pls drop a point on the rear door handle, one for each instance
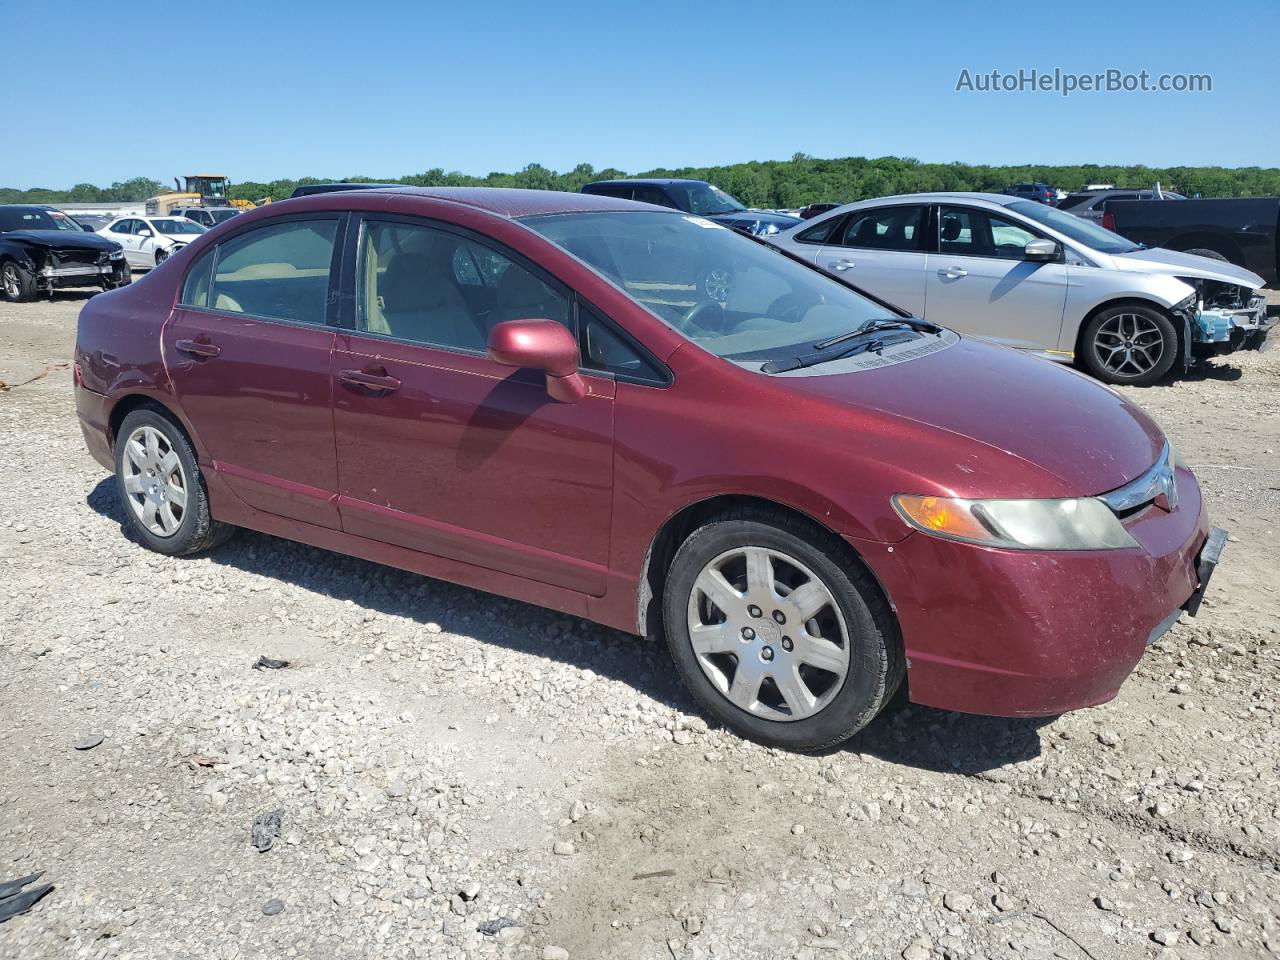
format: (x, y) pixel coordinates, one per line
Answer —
(370, 381)
(198, 348)
(842, 265)
(954, 273)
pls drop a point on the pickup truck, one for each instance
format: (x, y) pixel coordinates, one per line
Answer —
(1240, 230)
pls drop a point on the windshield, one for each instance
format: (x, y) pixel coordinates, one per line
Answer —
(1082, 231)
(35, 218)
(703, 198)
(173, 227)
(733, 296)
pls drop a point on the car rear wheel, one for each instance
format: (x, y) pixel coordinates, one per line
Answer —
(161, 488)
(1129, 344)
(778, 632)
(1206, 252)
(18, 285)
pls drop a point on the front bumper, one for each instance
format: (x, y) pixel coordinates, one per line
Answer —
(1019, 633)
(111, 272)
(1218, 331)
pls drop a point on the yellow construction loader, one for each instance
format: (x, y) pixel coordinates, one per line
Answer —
(200, 190)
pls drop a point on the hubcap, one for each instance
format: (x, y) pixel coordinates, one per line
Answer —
(10, 280)
(1129, 345)
(154, 482)
(768, 633)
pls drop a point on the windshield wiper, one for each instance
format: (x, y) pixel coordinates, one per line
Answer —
(871, 326)
(874, 345)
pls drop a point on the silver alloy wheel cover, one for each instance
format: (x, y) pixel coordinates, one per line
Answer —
(11, 287)
(756, 642)
(155, 485)
(1128, 340)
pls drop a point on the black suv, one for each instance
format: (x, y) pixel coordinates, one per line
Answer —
(695, 196)
(1040, 192)
(43, 249)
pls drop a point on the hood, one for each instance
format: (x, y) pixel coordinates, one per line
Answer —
(62, 239)
(993, 422)
(780, 220)
(1159, 260)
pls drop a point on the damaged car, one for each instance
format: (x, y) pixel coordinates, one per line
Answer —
(1029, 276)
(42, 250)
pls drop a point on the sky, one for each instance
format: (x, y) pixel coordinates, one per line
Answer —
(269, 90)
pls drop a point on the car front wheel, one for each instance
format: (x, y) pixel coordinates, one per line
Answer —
(778, 632)
(17, 284)
(159, 483)
(1129, 344)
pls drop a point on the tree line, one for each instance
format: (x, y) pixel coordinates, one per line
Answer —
(782, 184)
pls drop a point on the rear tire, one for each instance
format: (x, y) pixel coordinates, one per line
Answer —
(1206, 252)
(1129, 345)
(161, 488)
(834, 651)
(17, 284)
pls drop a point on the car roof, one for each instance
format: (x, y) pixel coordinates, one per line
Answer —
(1001, 199)
(511, 202)
(648, 181)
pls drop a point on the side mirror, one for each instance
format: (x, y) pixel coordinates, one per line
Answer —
(1040, 250)
(145, 232)
(541, 345)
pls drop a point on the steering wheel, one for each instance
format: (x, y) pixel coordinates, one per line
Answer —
(693, 320)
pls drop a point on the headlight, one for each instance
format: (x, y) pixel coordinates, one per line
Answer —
(1085, 523)
(117, 254)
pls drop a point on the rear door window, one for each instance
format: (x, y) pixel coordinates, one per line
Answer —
(280, 270)
(885, 228)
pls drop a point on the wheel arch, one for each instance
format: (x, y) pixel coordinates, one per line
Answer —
(1210, 241)
(130, 402)
(677, 528)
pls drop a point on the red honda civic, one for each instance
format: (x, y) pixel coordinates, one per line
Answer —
(640, 417)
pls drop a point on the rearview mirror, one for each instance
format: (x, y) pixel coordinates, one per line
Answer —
(541, 345)
(1040, 250)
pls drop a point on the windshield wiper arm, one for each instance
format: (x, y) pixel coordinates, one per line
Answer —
(871, 326)
(874, 345)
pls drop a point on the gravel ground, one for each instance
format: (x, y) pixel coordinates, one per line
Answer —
(465, 776)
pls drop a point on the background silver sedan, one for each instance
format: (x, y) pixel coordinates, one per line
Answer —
(1027, 275)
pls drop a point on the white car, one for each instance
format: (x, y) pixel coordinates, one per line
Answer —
(1029, 276)
(147, 241)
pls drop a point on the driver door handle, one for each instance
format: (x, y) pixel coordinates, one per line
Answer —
(842, 265)
(370, 380)
(953, 273)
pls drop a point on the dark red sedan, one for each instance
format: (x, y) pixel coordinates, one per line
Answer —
(640, 417)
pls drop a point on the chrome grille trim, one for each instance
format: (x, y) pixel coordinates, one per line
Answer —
(1158, 479)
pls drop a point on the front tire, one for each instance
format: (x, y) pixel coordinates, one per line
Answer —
(1129, 345)
(17, 284)
(778, 632)
(159, 482)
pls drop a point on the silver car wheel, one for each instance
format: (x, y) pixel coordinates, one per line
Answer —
(12, 288)
(768, 633)
(1129, 345)
(154, 481)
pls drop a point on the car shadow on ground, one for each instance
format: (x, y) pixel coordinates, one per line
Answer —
(904, 733)
(1199, 373)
